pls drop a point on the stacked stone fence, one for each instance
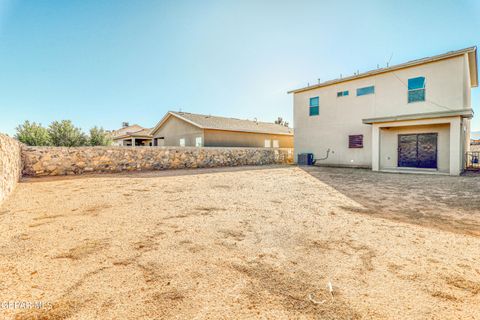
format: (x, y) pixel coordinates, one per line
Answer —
(54, 161)
(10, 165)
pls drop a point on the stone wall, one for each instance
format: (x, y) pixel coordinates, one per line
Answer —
(10, 165)
(48, 161)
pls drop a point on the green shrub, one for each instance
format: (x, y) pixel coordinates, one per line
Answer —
(65, 134)
(32, 134)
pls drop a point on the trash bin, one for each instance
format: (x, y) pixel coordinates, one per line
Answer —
(305, 159)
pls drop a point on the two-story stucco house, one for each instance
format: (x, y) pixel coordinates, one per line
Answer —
(413, 116)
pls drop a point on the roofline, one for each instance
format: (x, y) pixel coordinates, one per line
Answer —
(170, 113)
(474, 73)
(408, 64)
(464, 113)
(248, 131)
(126, 136)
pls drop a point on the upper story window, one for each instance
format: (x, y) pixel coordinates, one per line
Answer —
(342, 93)
(365, 90)
(314, 106)
(416, 89)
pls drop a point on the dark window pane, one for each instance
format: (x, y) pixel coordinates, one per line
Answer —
(314, 102)
(366, 90)
(314, 111)
(345, 93)
(416, 95)
(355, 141)
(339, 94)
(416, 83)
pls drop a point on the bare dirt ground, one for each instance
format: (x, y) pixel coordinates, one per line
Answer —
(243, 243)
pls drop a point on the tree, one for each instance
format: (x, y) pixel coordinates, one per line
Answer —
(32, 134)
(65, 134)
(99, 137)
(281, 121)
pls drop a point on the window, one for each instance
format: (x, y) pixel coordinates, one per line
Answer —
(276, 144)
(355, 141)
(314, 106)
(198, 141)
(416, 89)
(182, 142)
(267, 143)
(342, 94)
(365, 90)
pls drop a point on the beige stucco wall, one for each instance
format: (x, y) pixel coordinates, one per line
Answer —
(220, 138)
(341, 117)
(174, 129)
(389, 143)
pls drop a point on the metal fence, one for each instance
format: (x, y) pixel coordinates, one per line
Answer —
(472, 161)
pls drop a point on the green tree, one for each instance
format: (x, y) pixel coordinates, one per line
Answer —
(32, 134)
(99, 137)
(65, 134)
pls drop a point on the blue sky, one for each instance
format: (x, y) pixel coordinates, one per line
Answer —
(100, 62)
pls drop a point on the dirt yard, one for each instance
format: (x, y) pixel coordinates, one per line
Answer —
(242, 243)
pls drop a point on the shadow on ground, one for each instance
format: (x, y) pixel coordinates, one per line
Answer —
(443, 202)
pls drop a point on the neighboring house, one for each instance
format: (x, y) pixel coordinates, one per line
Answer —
(475, 138)
(197, 130)
(475, 142)
(133, 135)
(413, 116)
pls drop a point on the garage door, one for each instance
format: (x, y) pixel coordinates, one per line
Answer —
(417, 150)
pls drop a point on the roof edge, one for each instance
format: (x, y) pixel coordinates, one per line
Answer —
(133, 136)
(473, 60)
(464, 113)
(257, 132)
(408, 64)
(165, 118)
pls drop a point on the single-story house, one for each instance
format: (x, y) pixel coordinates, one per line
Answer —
(133, 135)
(410, 117)
(198, 130)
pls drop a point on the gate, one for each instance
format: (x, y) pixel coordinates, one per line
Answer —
(472, 160)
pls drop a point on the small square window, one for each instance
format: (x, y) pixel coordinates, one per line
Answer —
(314, 109)
(276, 144)
(342, 93)
(355, 141)
(267, 143)
(198, 141)
(182, 142)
